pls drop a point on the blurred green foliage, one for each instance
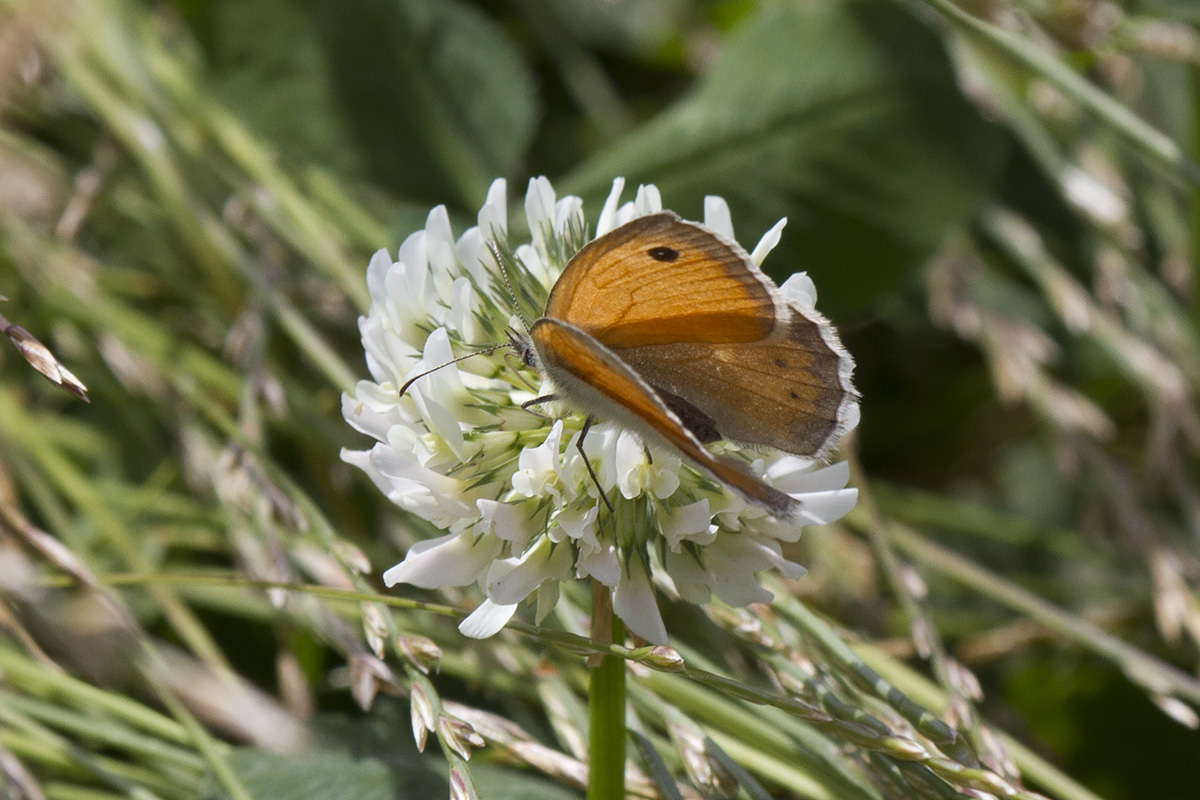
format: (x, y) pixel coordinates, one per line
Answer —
(997, 200)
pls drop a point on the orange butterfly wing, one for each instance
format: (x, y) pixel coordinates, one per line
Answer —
(659, 280)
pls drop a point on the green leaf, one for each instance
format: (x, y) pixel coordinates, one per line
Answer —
(425, 97)
(844, 117)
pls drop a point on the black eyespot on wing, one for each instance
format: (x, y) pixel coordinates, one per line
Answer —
(663, 253)
(794, 395)
(779, 362)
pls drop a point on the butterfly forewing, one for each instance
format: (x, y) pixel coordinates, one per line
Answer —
(659, 280)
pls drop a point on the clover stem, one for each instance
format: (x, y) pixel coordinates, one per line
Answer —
(606, 705)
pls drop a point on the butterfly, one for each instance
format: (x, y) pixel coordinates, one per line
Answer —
(672, 331)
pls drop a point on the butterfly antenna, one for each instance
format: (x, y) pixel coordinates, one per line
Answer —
(500, 261)
(420, 375)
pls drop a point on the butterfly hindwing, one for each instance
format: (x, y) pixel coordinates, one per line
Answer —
(785, 391)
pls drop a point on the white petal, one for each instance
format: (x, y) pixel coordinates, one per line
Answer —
(693, 521)
(547, 599)
(437, 229)
(538, 467)
(568, 213)
(493, 217)
(510, 523)
(767, 243)
(600, 447)
(535, 264)
(732, 561)
(511, 580)
(362, 460)
(415, 258)
(634, 602)
(578, 524)
(773, 554)
(366, 419)
(539, 209)
(487, 620)
(608, 216)
(472, 253)
(628, 460)
(822, 508)
(443, 266)
(648, 200)
(419, 489)
(663, 481)
(717, 217)
(688, 575)
(800, 291)
(791, 473)
(601, 564)
(456, 559)
(463, 307)
(625, 213)
(440, 391)
(377, 270)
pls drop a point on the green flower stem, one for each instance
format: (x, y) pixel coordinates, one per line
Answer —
(606, 706)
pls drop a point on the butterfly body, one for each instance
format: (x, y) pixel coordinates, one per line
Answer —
(672, 331)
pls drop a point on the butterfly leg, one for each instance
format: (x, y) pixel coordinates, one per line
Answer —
(587, 426)
(537, 401)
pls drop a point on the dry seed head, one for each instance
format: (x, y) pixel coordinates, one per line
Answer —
(41, 359)
(375, 627)
(419, 651)
(368, 676)
(459, 736)
(461, 787)
(665, 658)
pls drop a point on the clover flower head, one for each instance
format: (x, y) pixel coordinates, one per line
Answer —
(508, 485)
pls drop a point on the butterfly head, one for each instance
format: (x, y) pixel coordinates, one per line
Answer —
(522, 346)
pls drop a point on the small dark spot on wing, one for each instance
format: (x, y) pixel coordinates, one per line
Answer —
(779, 362)
(663, 253)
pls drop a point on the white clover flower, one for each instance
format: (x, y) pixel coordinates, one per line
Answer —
(520, 508)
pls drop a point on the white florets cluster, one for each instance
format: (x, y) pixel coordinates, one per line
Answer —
(508, 485)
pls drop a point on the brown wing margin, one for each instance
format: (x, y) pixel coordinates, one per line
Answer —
(589, 373)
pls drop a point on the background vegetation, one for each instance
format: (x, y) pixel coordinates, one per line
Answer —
(996, 199)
